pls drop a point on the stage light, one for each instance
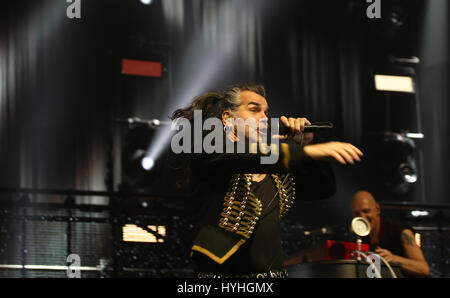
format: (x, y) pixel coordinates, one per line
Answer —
(417, 213)
(138, 169)
(155, 122)
(412, 60)
(395, 164)
(414, 135)
(133, 233)
(408, 172)
(418, 239)
(147, 163)
(142, 68)
(394, 83)
(146, 2)
(396, 18)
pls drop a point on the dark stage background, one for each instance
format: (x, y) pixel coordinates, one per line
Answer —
(61, 89)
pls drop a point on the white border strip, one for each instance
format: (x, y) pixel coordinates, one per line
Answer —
(48, 267)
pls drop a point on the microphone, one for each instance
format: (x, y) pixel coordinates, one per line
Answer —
(360, 226)
(284, 130)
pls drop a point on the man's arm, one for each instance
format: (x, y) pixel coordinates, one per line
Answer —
(289, 156)
(414, 262)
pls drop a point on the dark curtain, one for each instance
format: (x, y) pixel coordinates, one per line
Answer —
(434, 94)
(54, 104)
(61, 84)
(313, 67)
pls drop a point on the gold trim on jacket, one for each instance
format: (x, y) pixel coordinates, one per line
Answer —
(216, 258)
(242, 209)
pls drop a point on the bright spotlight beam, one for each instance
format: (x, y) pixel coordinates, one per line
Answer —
(212, 63)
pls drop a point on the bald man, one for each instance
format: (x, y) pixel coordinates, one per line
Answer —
(392, 240)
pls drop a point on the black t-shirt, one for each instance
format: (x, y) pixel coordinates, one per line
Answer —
(263, 251)
(390, 236)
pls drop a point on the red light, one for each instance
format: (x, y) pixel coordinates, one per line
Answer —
(142, 68)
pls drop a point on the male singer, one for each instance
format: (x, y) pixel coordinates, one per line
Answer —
(244, 199)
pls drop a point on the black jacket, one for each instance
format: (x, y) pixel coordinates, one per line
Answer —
(213, 173)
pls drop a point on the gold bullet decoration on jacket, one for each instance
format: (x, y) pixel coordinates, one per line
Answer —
(242, 209)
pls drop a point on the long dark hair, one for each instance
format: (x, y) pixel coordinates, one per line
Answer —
(213, 104)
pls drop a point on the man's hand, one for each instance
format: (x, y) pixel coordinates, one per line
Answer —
(386, 254)
(296, 126)
(341, 152)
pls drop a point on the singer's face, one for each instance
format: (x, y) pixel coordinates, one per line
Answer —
(253, 107)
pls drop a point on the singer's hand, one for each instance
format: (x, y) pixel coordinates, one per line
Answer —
(342, 152)
(296, 126)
